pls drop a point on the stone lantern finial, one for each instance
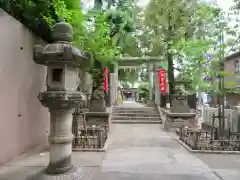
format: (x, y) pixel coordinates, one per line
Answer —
(63, 32)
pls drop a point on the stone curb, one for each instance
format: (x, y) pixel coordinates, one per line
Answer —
(204, 151)
(88, 150)
(135, 122)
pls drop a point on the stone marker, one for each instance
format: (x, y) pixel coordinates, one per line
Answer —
(98, 103)
(179, 102)
(97, 114)
(62, 60)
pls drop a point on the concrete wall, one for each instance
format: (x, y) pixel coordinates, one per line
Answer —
(24, 122)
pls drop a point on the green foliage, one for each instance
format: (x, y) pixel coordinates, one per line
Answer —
(193, 65)
(128, 75)
(37, 15)
(122, 21)
(143, 91)
(41, 15)
(125, 84)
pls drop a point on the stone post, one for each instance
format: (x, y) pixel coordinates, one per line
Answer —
(86, 85)
(157, 89)
(150, 82)
(236, 119)
(62, 60)
(113, 88)
(60, 140)
(116, 80)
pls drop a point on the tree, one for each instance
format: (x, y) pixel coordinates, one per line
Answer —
(207, 42)
(166, 21)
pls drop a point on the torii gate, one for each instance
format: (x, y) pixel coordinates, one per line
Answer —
(132, 62)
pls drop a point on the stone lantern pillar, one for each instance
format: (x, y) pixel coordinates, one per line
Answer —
(62, 60)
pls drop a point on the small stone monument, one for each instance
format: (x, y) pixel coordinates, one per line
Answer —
(62, 60)
(98, 103)
(97, 114)
(179, 102)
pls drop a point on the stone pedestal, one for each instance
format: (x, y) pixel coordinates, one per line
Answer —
(60, 139)
(177, 120)
(97, 118)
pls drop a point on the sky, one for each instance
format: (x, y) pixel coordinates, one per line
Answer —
(224, 4)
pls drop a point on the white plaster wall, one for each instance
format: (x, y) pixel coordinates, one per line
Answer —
(24, 122)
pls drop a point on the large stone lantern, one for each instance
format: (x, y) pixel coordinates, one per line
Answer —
(62, 61)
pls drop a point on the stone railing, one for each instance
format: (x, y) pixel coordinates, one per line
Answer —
(201, 139)
(90, 138)
(89, 134)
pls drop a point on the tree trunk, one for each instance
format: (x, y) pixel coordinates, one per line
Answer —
(171, 80)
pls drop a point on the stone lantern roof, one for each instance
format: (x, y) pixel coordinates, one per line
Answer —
(61, 51)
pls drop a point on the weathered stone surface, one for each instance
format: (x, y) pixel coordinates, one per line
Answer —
(97, 118)
(97, 105)
(61, 51)
(60, 98)
(179, 106)
(74, 174)
(68, 99)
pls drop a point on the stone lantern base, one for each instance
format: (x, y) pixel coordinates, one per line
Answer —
(74, 174)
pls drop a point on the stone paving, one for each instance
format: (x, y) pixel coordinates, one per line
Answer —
(137, 152)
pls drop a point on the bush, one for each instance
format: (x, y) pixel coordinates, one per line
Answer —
(143, 90)
(40, 16)
(37, 15)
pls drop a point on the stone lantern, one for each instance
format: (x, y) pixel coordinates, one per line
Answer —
(62, 61)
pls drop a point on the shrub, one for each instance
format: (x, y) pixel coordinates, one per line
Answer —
(37, 15)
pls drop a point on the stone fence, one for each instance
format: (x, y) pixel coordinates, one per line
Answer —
(231, 120)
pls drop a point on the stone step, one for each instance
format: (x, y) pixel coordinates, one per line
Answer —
(137, 121)
(134, 110)
(135, 118)
(131, 114)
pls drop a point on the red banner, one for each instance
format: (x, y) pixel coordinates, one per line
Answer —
(105, 82)
(162, 81)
